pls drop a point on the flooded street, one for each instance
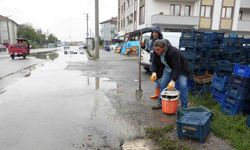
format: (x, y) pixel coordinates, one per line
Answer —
(53, 108)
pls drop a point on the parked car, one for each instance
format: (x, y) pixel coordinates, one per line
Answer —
(2, 48)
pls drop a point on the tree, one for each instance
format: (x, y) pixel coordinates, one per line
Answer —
(36, 37)
(52, 39)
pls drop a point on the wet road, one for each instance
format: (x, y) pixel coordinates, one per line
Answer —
(53, 108)
(70, 103)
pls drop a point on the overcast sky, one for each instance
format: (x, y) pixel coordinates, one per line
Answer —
(64, 18)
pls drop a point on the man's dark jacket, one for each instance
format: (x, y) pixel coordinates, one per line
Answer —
(175, 61)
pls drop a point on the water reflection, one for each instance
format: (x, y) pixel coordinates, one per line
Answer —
(102, 83)
(46, 55)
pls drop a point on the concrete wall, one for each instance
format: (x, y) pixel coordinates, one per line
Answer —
(107, 31)
(216, 14)
(4, 31)
(153, 7)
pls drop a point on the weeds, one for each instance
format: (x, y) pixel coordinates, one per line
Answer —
(231, 128)
(159, 136)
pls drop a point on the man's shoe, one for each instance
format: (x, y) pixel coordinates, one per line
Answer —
(158, 106)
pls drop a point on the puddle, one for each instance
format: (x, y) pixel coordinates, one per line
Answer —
(50, 56)
(51, 107)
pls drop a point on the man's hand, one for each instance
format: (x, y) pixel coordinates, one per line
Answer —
(171, 85)
(153, 76)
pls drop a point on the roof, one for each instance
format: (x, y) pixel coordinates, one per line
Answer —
(4, 18)
(140, 31)
(113, 20)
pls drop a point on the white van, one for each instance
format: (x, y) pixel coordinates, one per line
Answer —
(174, 39)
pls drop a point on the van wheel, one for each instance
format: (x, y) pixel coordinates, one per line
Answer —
(147, 69)
(24, 56)
(12, 56)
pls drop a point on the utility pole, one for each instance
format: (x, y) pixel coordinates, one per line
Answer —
(87, 34)
(96, 29)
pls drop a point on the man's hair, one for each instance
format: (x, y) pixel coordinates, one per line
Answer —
(160, 43)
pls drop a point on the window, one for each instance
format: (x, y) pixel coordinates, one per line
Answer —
(240, 15)
(135, 16)
(142, 15)
(128, 20)
(206, 11)
(128, 3)
(124, 7)
(175, 10)
(227, 12)
(187, 11)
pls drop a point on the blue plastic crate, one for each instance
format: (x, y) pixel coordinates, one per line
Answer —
(219, 96)
(241, 81)
(219, 82)
(194, 125)
(182, 111)
(248, 121)
(190, 84)
(224, 66)
(238, 92)
(191, 55)
(234, 101)
(231, 109)
(242, 70)
(192, 35)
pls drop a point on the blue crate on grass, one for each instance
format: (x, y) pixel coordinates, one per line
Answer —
(246, 108)
(182, 111)
(242, 70)
(231, 109)
(238, 91)
(234, 101)
(241, 81)
(190, 84)
(248, 121)
(194, 125)
(219, 82)
(200, 89)
(219, 96)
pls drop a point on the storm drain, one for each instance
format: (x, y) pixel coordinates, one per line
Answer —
(139, 144)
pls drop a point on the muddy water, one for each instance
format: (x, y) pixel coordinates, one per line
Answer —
(57, 109)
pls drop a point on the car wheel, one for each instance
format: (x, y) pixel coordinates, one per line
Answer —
(12, 56)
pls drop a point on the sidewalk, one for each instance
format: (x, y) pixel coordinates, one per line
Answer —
(124, 71)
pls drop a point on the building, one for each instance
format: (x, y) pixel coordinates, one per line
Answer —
(176, 15)
(108, 29)
(8, 30)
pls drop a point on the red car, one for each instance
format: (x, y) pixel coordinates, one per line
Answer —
(20, 49)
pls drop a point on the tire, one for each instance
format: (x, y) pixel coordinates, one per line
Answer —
(12, 56)
(24, 56)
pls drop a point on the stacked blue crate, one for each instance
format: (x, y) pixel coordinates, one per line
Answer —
(194, 125)
(248, 121)
(246, 46)
(237, 96)
(221, 80)
(233, 49)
